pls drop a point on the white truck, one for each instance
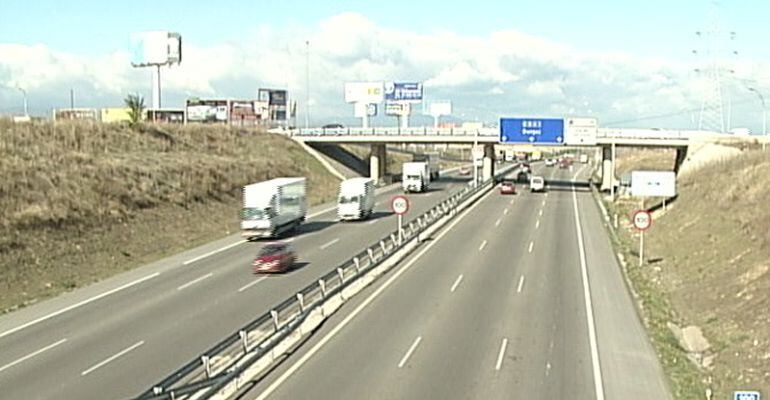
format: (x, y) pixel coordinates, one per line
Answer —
(356, 198)
(273, 207)
(415, 176)
(584, 158)
(432, 159)
(537, 184)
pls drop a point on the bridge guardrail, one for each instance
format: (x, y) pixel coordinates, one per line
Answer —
(418, 131)
(215, 368)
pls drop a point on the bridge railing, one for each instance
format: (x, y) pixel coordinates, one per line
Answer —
(388, 131)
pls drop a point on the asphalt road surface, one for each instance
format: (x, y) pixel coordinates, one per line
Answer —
(116, 338)
(519, 298)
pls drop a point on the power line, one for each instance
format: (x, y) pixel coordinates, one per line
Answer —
(671, 114)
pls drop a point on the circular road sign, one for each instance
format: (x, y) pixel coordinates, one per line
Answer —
(642, 220)
(399, 205)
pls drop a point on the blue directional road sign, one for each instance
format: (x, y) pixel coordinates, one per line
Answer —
(544, 131)
(746, 395)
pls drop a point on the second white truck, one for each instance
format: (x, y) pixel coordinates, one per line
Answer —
(273, 207)
(432, 159)
(356, 198)
(415, 176)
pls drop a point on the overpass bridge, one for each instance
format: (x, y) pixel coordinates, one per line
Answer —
(607, 139)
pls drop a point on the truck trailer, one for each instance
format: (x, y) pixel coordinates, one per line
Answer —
(432, 159)
(415, 176)
(273, 207)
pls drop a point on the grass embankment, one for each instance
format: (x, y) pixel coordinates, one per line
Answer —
(80, 202)
(706, 264)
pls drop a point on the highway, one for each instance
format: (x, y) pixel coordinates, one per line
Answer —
(519, 298)
(116, 338)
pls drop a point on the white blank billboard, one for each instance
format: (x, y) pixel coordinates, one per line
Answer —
(155, 48)
(653, 183)
(363, 92)
(440, 108)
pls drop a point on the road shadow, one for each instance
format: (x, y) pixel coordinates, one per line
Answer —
(453, 179)
(309, 227)
(374, 215)
(557, 185)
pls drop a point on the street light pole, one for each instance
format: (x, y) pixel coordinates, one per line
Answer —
(307, 84)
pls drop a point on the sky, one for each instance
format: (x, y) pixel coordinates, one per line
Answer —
(628, 63)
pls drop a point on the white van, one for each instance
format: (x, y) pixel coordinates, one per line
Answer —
(356, 198)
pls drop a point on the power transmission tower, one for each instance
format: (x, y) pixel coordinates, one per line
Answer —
(712, 116)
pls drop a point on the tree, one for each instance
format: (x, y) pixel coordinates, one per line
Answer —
(135, 104)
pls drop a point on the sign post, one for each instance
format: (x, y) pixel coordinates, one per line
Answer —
(478, 160)
(642, 222)
(400, 206)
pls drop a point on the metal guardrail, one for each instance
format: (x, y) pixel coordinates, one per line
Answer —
(421, 131)
(202, 377)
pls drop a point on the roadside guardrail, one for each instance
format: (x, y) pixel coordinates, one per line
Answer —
(219, 371)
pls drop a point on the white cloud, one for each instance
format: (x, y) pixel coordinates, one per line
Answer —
(506, 72)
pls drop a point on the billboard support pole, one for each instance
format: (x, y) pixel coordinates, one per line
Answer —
(156, 87)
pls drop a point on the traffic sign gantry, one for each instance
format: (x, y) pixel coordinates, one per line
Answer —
(537, 131)
(399, 205)
(642, 220)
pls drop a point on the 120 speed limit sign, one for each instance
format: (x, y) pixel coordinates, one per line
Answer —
(642, 220)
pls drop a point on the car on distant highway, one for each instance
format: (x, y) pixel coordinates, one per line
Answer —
(274, 257)
(525, 167)
(565, 163)
(507, 187)
(537, 184)
(522, 177)
(550, 162)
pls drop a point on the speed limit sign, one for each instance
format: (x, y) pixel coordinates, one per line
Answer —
(642, 220)
(399, 205)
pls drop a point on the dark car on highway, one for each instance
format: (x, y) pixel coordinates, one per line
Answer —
(507, 187)
(522, 177)
(274, 257)
(333, 126)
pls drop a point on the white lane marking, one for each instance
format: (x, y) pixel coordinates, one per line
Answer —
(543, 203)
(289, 240)
(497, 223)
(547, 368)
(457, 282)
(597, 370)
(194, 281)
(229, 246)
(112, 358)
(409, 352)
(321, 212)
(546, 194)
(297, 365)
(537, 224)
(505, 211)
(30, 355)
(374, 221)
(331, 242)
(80, 304)
(511, 201)
(252, 284)
(541, 213)
(531, 245)
(501, 354)
(483, 244)
(521, 284)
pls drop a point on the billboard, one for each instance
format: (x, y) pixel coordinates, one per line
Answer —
(80, 114)
(544, 131)
(403, 91)
(653, 183)
(243, 112)
(363, 92)
(206, 110)
(168, 116)
(579, 131)
(115, 115)
(397, 108)
(438, 108)
(363, 109)
(155, 48)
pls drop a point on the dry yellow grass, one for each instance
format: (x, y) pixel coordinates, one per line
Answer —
(70, 191)
(712, 250)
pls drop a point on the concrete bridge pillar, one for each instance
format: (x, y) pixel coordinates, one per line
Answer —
(681, 155)
(488, 166)
(608, 168)
(377, 162)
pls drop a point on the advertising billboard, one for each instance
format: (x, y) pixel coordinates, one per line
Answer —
(80, 114)
(166, 116)
(403, 91)
(243, 112)
(363, 92)
(438, 108)
(397, 108)
(361, 110)
(155, 48)
(115, 115)
(544, 131)
(206, 111)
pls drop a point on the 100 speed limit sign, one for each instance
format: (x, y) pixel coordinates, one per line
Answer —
(399, 205)
(642, 220)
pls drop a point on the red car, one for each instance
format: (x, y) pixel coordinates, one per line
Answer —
(274, 257)
(507, 187)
